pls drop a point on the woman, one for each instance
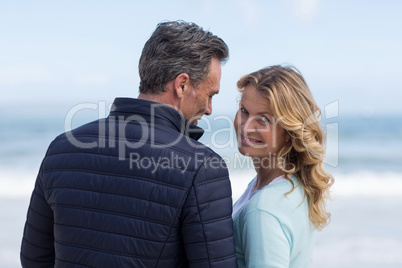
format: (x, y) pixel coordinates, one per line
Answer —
(277, 126)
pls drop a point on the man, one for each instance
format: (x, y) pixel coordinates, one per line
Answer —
(136, 189)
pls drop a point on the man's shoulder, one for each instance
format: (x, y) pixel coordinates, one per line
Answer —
(176, 140)
(161, 141)
(86, 133)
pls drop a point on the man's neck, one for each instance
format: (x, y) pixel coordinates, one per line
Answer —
(160, 98)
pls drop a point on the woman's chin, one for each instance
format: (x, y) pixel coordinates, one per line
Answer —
(244, 151)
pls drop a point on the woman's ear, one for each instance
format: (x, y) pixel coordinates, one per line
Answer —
(181, 83)
(287, 137)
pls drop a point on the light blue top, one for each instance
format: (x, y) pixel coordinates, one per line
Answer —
(274, 230)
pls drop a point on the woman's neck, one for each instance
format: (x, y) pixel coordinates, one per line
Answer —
(265, 174)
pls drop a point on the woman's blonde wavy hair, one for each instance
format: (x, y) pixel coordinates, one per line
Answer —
(295, 110)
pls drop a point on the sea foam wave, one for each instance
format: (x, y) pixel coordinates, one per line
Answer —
(367, 184)
(16, 184)
(364, 184)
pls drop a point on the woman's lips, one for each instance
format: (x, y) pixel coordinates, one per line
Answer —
(249, 140)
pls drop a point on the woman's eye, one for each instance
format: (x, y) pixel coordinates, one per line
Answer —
(263, 120)
(243, 110)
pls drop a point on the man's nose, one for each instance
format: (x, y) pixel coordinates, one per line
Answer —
(208, 111)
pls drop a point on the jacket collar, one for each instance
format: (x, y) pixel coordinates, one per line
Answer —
(157, 113)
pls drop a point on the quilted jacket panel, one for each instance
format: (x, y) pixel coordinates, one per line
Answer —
(132, 190)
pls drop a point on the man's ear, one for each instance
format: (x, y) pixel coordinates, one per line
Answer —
(181, 84)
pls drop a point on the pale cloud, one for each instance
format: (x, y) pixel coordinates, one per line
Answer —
(207, 6)
(250, 11)
(25, 74)
(306, 9)
(91, 80)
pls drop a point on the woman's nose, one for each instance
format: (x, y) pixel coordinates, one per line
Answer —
(249, 125)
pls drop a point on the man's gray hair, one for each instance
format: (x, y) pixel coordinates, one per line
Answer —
(177, 47)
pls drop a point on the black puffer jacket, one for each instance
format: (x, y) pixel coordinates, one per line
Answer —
(131, 190)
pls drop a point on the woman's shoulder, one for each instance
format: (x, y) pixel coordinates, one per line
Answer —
(276, 198)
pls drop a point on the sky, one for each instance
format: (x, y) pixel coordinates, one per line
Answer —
(55, 55)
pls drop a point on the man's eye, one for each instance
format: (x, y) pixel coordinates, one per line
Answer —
(243, 110)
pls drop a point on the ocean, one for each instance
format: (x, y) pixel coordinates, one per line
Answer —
(364, 156)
